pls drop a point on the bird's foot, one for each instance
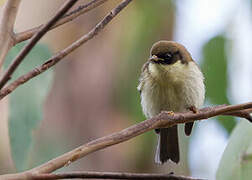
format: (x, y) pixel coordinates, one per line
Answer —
(193, 109)
(168, 112)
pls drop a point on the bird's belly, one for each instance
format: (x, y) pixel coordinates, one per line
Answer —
(170, 97)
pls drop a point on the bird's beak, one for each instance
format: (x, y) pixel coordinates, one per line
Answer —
(154, 58)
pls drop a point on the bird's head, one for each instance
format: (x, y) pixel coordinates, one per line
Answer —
(168, 58)
(167, 53)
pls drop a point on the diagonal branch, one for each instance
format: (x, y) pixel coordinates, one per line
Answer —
(109, 175)
(34, 40)
(7, 21)
(67, 18)
(60, 55)
(163, 120)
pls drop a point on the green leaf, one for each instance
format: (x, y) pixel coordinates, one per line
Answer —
(26, 103)
(214, 67)
(236, 162)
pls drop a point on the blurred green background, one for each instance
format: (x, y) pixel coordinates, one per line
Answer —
(93, 93)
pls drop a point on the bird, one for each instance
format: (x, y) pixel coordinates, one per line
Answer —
(170, 81)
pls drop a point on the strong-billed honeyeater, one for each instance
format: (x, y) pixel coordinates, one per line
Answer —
(170, 81)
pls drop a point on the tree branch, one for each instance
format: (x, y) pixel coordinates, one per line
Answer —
(108, 175)
(34, 40)
(163, 120)
(67, 18)
(60, 55)
(7, 21)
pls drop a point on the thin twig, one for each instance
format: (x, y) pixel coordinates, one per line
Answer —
(22, 36)
(7, 21)
(242, 114)
(163, 120)
(33, 41)
(60, 55)
(109, 175)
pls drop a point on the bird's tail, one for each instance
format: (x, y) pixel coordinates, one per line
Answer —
(168, 147)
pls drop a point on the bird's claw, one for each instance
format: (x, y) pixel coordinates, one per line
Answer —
(168, 112)
(193, 109)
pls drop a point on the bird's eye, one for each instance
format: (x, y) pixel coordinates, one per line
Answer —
(167, 56)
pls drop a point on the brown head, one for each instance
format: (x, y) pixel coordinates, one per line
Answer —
(169, 52)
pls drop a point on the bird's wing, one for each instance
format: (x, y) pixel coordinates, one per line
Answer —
(141, 79)
(140, 85)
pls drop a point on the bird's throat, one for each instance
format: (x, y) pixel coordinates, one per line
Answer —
(167, 72)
